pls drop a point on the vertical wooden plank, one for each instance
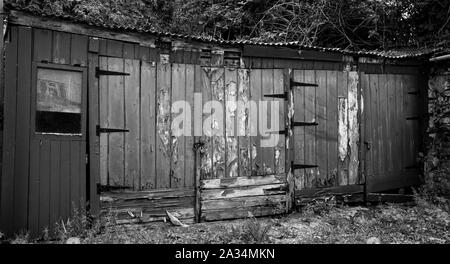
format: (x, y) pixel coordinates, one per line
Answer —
(9, 133)
(94, 45)
(255, 94)
(128, 51)
(79, 50)
(374, 87)
(354, 127)
(189, 169)
(321, 132)
(33, 199)
(400, 117)
(178, 139)
(310, 131)
(95, 162)
(75, 159)
(243, 125)
(61, 47)
(42, 45)
(82, 174)
(289, 110)
(206, 154)
(343, 128)
(218, 124)
(332, 129)
(279, 154)
(148, 126)
(44, 185)
(367, 115)
(383, 118)
(267, 153)
(132, 117)
(64, 198)
(231, 122)
(55, 185)
(299, 132)
(163, 141)
(391, 108)
(116, 116)
(22, 128)
(144, 53)
(103, 99)
(114, 48)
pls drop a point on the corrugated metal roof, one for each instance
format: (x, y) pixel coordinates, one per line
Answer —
(404, 53)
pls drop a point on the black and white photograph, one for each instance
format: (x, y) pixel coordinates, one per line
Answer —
(224, 122)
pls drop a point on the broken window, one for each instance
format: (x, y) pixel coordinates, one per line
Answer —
(58, 101)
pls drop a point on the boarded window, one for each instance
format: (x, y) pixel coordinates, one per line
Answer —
(58, 101)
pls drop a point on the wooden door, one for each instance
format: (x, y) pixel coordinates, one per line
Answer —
(392, 141)
(119, 117)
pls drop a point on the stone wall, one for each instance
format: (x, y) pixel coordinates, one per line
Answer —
(437, 159)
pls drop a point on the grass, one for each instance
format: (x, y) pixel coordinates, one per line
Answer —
(322, 222)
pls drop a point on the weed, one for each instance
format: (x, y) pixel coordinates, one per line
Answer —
(251, 231)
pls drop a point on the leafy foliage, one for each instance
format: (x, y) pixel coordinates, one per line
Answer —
(352, 24)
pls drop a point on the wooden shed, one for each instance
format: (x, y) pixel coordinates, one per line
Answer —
(87, 123)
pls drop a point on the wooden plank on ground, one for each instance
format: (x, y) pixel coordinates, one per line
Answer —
(242, 181)
(256, 211)
(116, 119)
(163, 140)
(269, 189)
(132, 123)
(147, 126)
(237, 203)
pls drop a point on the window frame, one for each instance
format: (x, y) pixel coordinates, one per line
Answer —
(54, 135)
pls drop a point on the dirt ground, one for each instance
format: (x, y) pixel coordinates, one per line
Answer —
(336, 224)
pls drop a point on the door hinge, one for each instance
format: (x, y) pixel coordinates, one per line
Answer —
(281, 96)
(99, 72)
(294, 124)
(302, 166)
(303, 84)
(109, 130)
